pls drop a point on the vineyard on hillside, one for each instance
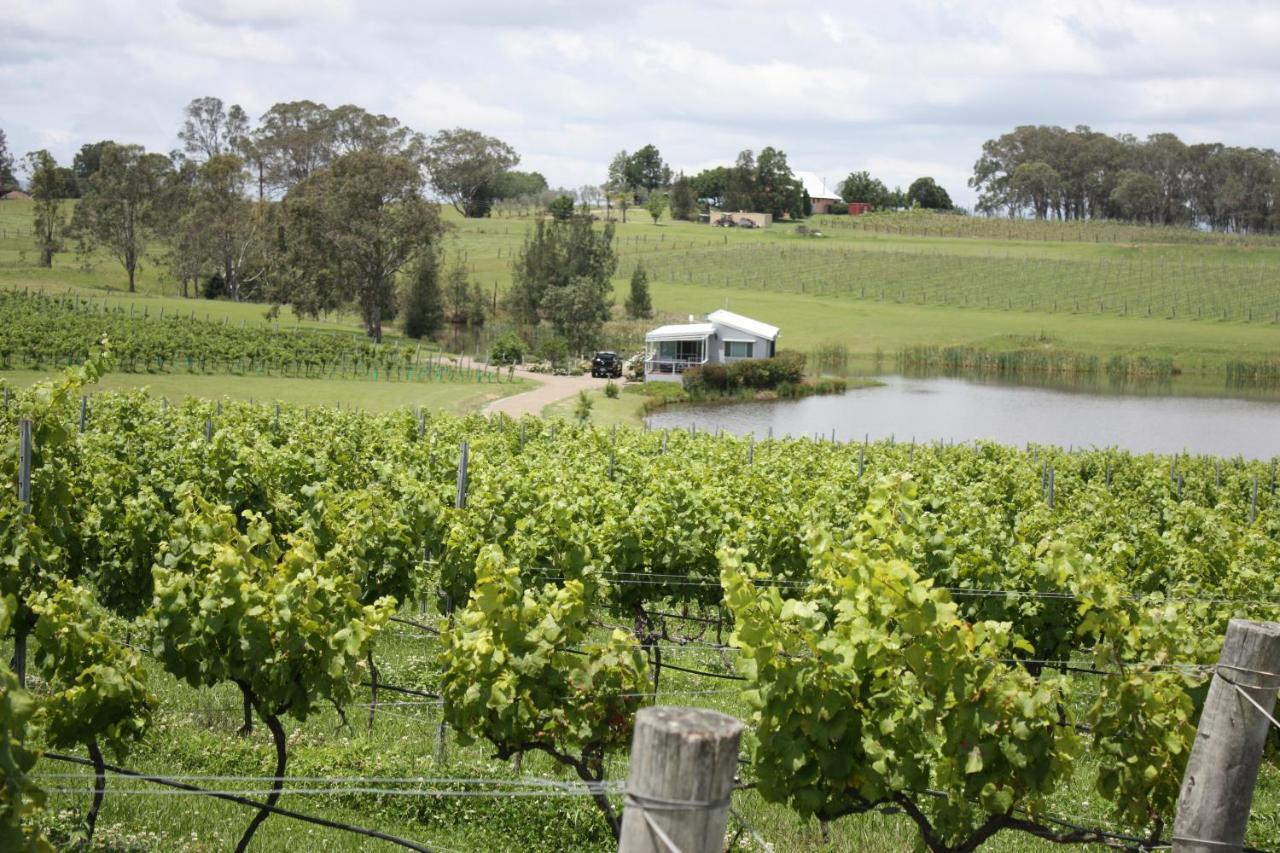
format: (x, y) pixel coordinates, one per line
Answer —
(439, 628)
(1142, 287)
(921, 223)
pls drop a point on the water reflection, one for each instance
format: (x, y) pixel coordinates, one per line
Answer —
(1143, 417)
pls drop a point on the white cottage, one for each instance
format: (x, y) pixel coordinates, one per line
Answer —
(723, 337)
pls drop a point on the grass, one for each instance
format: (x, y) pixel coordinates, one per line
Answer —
(349, 393)
(195, 734)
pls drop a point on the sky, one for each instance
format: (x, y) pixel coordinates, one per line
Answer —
(901, 89)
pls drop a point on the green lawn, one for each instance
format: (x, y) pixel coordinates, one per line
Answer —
(349, 393)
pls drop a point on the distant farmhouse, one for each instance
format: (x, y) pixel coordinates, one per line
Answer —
(15, 195)
(722, 338)
(823, 199)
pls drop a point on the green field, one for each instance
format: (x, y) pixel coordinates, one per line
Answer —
(1198, 301)
(875, 286)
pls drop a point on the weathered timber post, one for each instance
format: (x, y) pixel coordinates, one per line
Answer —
(1217, 787)
(683, 762)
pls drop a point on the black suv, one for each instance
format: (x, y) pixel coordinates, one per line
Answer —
(606, 364)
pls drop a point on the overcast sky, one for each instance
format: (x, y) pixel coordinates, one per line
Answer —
(902, 89)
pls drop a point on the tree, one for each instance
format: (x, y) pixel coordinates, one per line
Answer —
(776, 189)
(87, 162)
(47, 188)
(710, 185)
(926, 193)
(8, 180)
(351, 129)
(638, 304)
(464, 300)
(563, 275)
(618, 184)
(293, 140)
(464, 165)
(657, 205)
(646, 170)
(512, 184)
(561, 207)
(860, 186)
(1137, 196)
(740, 183)
(423, 301)
(683, 199)
(233, 237)
(211, 130)
(1035, 184)
(121, 205)
(353, 226)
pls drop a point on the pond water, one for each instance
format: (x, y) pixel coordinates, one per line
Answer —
(1152, 419)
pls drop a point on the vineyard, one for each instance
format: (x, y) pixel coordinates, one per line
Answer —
(436, 631)
(39, 331)
(921, 223)
(1138, 287)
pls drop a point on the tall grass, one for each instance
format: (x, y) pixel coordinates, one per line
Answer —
(1029, 361)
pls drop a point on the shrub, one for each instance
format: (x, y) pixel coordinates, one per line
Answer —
(582, 409)
(710, 377)
(786, 366)
(508, 349)
(554, 350)
(611, 389)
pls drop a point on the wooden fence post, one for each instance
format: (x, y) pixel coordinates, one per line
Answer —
(679, 786)
(1217, 787)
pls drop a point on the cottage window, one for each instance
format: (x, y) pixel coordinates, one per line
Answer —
(738, 349)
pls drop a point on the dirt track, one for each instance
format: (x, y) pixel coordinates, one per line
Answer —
(551, 389)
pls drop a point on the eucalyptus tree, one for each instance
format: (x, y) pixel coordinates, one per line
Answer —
(351, 228)
(8, 180)
(464, 165)
(122, 204)
(48, 188)
(211, 129)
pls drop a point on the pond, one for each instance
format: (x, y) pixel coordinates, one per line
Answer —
(1152, 419)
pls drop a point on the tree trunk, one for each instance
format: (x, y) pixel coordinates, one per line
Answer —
(132, 268)
(229, 280)
(277, 735)
(99, 789)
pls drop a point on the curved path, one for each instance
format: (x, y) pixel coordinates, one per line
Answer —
(551, 389)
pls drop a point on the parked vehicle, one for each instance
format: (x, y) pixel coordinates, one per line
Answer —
(607, 364)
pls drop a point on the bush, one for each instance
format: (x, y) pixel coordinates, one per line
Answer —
(508, 349)
(710, 377)
(554, 350)
(786, 366)
(611, 389)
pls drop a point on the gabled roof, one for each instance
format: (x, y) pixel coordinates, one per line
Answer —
(744, 324)
(681, 331)
(816, 187)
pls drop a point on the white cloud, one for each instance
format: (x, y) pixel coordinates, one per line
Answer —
(903, 89)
